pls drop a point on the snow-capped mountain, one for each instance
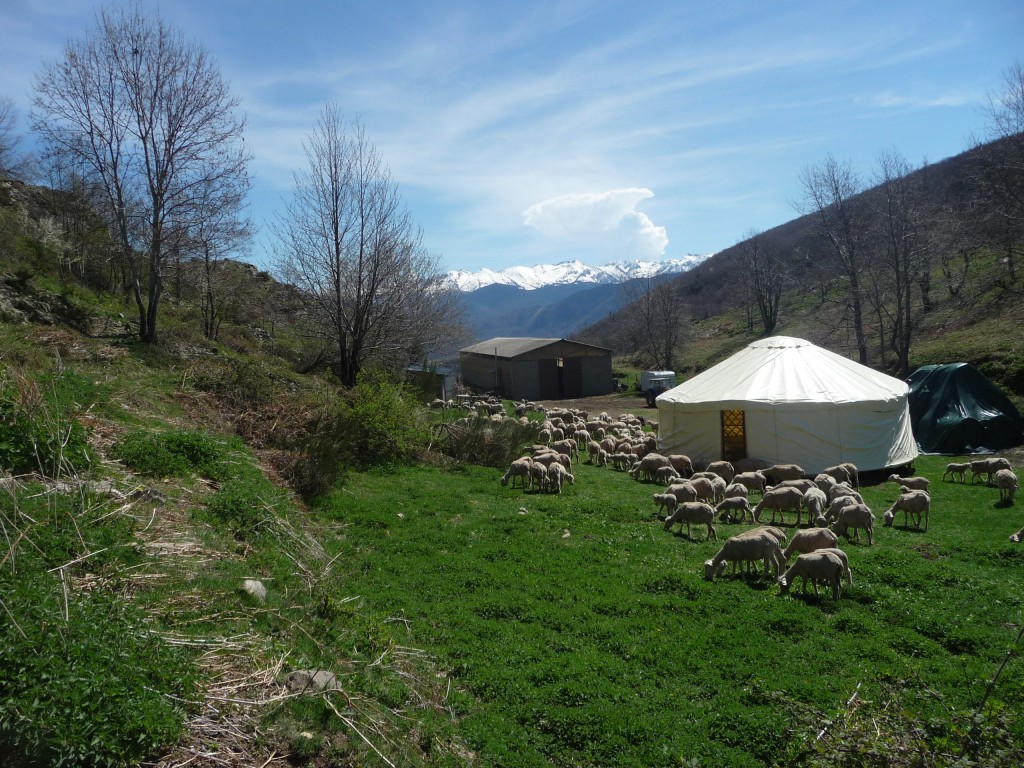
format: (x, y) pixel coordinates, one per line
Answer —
(571, 272)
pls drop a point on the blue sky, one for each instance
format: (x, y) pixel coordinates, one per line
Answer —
(535, 132)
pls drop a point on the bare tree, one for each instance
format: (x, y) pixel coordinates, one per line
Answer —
(348, 243)
(146, 115)
(12, 162)
(764, 275)
(832, 195)
(656, 319)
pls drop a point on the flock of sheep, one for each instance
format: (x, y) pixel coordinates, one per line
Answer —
(831, 500)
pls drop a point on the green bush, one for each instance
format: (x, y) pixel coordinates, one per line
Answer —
(83, 680)
(177, 453)
(38, 428)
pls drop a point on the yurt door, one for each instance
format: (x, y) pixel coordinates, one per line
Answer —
(734, 435)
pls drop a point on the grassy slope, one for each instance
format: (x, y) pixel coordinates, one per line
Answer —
(588, 636)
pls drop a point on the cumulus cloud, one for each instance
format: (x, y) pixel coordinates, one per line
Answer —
(606, 220)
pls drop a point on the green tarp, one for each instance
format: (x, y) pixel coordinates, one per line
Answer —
(954, 409)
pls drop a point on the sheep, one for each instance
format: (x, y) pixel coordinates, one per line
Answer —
(855, 517)
(567, 446)
(913, 483)
(557, 474)
(814, 502)
(854, 473)
(682, 464)
(648, 465)
(803, 484)
(538, 475)
(1007, 484)
(1016, 537)
(825, 482)
(705, 488)
(988, 467)
(683, 491)
(718, 486)
(693, 512)
(621, 460)
(810, 539)
(846, 562)
(816, 566)
(666, 476)
(723, 469)
(519, 468)
(736, 489)
(913, 503)
(753, 481)
(730, 505)
(602, 458)
(779, 500)
(776, 473)
(665, 502)
(593, 451)
(843, 489)
(957, 469)
(840, 473)
(837, 504)
(748, 547)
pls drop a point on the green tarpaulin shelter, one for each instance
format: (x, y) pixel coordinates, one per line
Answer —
(955, 409)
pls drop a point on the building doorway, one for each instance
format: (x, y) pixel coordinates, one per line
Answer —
(734, 435)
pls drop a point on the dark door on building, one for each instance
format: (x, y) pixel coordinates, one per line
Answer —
(734, 435)
(572, 377)
(549, 375)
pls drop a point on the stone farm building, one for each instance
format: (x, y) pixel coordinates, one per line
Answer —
(537, 369)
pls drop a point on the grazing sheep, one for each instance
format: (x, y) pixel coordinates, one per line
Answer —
(810, 539)
(816, 566)
(855, 517)
(567, 446)
(557, 475)
(723, 469)
(913, 503)
(837, 504)
(718, 486)
(748, 547)
(665, 502)
(846, 562)
(955, 469)
(825, 483)
(803, 484)
(647, 466)
(1016, 537)
(621, 460)
(736, 489)
(913, 483)
(683, 491)
(593, 451)
(727, 508)
(705, 488)
(753, 481)
(988, 467)
(779, 500)
(666, 476)
(776, 473)
(840, 473)
(1007, 484)
(682, 464)
(538, 476)
(693, 512)
(602, 458)
(814, 502)
(851, 468)
(844, 489)
(519, 468)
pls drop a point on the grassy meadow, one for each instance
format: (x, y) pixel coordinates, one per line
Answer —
(578, 632)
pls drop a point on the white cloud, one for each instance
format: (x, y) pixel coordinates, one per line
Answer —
(607, 221)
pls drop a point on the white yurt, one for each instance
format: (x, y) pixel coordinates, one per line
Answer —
(783, 400)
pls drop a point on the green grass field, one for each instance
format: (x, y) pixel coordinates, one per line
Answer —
(584, 634)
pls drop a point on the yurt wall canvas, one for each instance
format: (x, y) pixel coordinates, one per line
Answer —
(798, 403)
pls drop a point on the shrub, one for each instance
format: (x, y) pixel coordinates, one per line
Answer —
(175, 453)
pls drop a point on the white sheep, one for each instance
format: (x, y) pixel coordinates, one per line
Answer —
(621, 460)
(568, 446)
(957, 469)
(705, 488)
(855, 517)
(913, 483)
(666, 476)
(988, 467)
(557, 475)
(810, 539)
(776, 473)
(844, 489)
(727, 508)
(693, 512)
(683, 491)
(1007, 484)
(913, 503)
(779, 500)
(682, 464)
(825, 482)
(723, 469)
(593, 451)
(840, 473)
(665, 502)
(748, 547)
(821, 565)
(519, 468)
(846, 562)
(1017, 537)
(802, 484)
(753, 481)
(538, 476)
(814, 502)
(646, 468)
(736, 489)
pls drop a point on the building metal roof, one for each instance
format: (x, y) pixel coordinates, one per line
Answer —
(513, 347)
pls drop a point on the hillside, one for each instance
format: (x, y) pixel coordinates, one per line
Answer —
(977, 306)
